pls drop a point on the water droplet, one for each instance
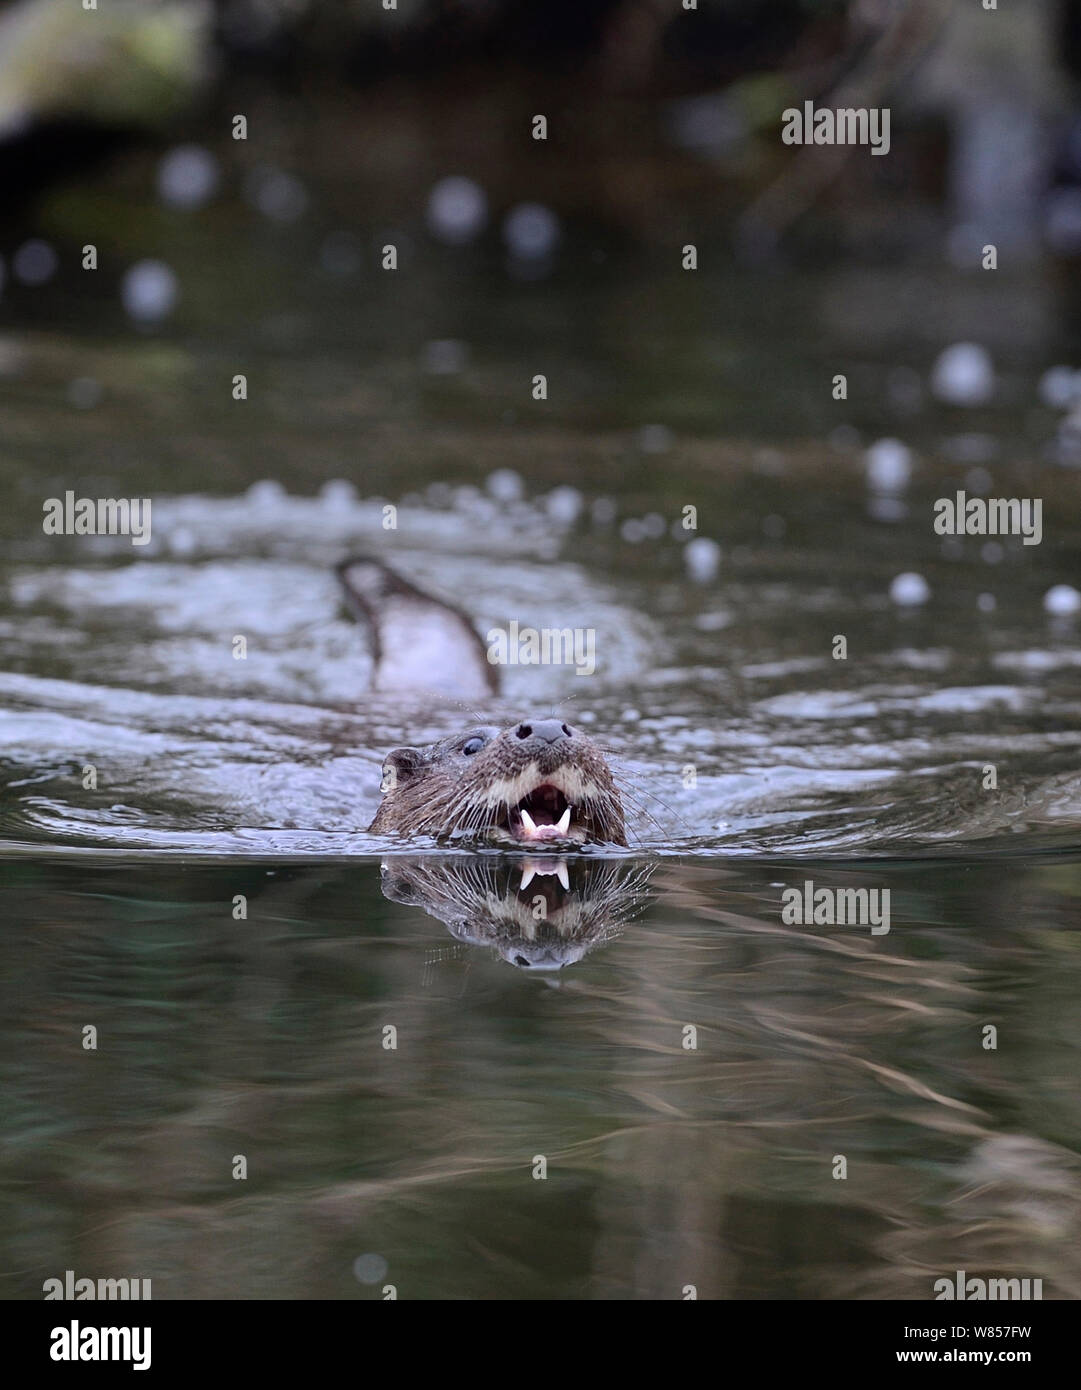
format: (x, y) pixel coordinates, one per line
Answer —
(564, 505)
(149, 291)
(276, 194)
(370, 1269)
(338, 492)
(265, 492)
(702, 557)
(181, 541)
(531, 231)
(1062, 600)
(908, 590)
(34, 263)
(888, 463)
(963, 375)
(457, 210)
(505, 485)
(187, 177)
(1059, 387)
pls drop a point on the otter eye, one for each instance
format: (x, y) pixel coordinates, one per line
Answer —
(473, 745)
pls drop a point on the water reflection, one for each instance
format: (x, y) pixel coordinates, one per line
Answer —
(540, 913)
(674, 1157)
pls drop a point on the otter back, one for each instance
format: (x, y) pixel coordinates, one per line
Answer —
(418, 643)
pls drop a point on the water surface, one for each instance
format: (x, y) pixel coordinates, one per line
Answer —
(667, 1166)
(939, 759)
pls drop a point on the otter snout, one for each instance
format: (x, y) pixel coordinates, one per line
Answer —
(543, 731)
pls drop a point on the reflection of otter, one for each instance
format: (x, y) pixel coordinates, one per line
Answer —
(540, 914)
(538, 782)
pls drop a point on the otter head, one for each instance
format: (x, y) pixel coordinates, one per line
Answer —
(536, 783)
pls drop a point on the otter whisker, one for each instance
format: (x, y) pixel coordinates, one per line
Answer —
(622, 775)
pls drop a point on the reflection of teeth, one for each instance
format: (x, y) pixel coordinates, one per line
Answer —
(544, 868)
(528, 822)
(564, 822)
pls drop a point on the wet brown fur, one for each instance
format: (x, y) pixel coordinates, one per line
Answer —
(442, 791)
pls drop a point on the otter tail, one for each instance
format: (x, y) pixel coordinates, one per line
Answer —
(419, 643)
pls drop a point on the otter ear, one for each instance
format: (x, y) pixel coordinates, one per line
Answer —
(399, 765)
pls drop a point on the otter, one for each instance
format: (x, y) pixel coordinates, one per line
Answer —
(538, 782)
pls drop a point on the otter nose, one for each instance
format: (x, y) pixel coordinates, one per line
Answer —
(547, 730)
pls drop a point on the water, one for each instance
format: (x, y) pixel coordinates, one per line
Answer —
(939, 759)
(666, 1166)
(944, 728)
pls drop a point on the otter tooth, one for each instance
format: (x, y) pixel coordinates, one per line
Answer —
(564, 877)
(528, 822)
(564, 824)
(527, 877)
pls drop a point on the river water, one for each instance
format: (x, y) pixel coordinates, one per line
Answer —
(689, 1066)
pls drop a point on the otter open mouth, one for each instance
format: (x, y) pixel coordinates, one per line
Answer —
(545, 814)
